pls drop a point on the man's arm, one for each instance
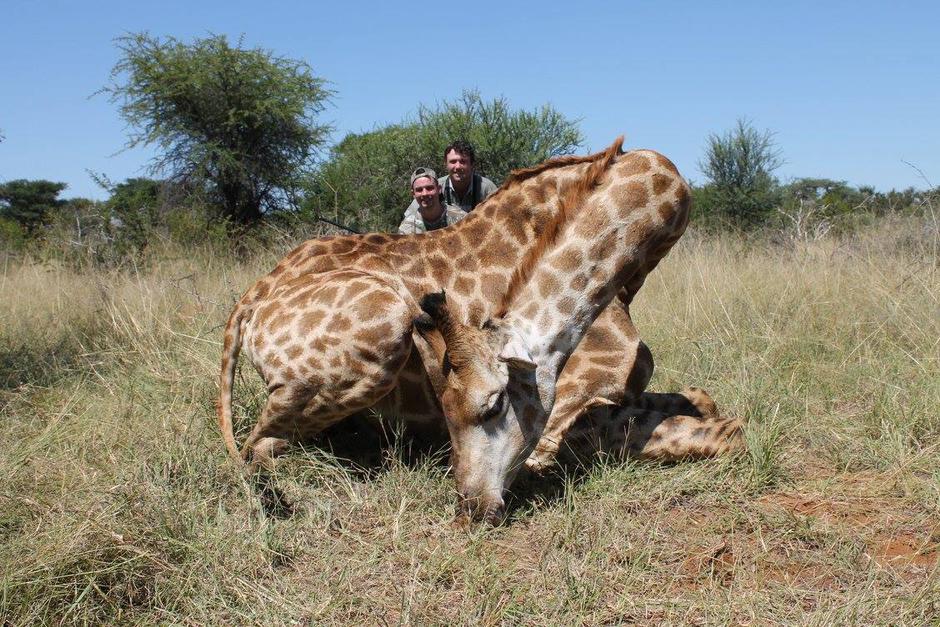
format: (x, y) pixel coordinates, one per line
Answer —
(487, 187)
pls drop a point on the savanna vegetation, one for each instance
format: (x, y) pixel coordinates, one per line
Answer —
(118, 504)
(808, 307)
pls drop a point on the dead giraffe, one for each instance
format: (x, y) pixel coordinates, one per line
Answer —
(614, 227)
(660, 427)
(300, 332)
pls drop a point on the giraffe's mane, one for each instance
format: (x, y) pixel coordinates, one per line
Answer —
(571, 199)
(517, 177)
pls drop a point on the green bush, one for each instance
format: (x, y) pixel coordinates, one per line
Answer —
(739, 165)
(133, 212)
(197, 225)
(13, 237)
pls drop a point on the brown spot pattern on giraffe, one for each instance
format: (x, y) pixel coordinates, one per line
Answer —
(569, 260)
(630, 197)
(338, 324)
(634, 165)
(661, 183)
(566, 306)
(667, 164)
(580, 282)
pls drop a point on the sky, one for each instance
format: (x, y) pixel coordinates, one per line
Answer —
(851, 90)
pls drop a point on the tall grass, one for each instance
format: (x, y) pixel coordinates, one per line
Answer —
(117, 503)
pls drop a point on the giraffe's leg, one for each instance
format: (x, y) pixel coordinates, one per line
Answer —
(328, 346)
(610, 367)
(264, 443)
(673, 430)
(702, 401)
(661, 427)
(273, 433)
(270, 436)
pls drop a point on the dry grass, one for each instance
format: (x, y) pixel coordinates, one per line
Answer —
(117, 504)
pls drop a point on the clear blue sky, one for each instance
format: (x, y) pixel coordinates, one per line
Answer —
(851, 89)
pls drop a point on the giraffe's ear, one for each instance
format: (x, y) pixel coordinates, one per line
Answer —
(515, 352)
(432, 350)
(426, 323)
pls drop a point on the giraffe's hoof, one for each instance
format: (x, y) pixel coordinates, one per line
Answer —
(702, 400)
(539, 463)
(542, 458)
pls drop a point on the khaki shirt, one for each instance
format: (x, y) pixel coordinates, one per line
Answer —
(414, 223)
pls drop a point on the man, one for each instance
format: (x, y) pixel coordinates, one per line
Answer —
(428, 212)
(462, 187)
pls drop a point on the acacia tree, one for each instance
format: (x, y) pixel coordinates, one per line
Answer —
(239, 121)
(30, 203)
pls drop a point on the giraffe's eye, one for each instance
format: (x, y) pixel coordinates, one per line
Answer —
(497, 410)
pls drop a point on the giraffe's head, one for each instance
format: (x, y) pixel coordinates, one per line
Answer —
(488, 440)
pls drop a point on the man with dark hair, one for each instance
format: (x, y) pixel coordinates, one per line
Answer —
(429, 213)
(462, 187)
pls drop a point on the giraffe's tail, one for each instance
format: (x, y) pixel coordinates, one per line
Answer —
(231, 346)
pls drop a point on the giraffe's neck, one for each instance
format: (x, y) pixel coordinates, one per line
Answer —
(472, 260)
(606, 243)
(556, 309)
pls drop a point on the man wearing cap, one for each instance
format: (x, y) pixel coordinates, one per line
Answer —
(462, 187)
(428, 211)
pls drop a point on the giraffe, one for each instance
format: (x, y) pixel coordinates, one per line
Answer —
(293, 325)
(658, 427)
(614, 227)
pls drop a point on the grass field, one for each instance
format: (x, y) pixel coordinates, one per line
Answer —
(117, 503)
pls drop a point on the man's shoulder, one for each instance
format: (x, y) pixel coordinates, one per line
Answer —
(411, 221)
(412, 210)
(486, 185)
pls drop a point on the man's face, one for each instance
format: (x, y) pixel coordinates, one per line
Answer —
(425, 191)
(459, 167)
